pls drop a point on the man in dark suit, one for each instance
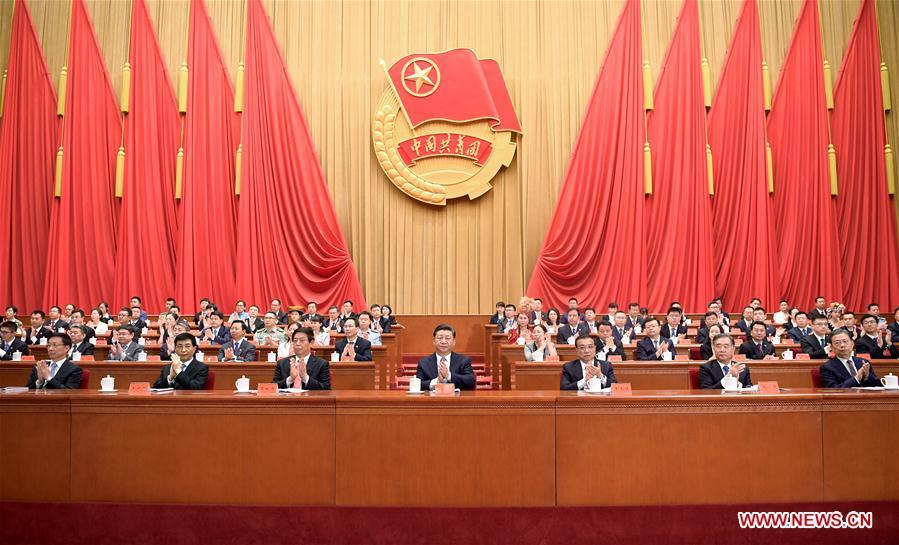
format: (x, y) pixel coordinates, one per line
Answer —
(216, 333)
(817, 345)
(577, 373)
(58, 373)
(573, 329)
(9, 343)
(303, 370)
(608, 345)
(136, 321)
(507, 322)
(238, 348)
(38, 329)
(673, 329)
(55, 322)
(845, 370)
(757, 346)
(622, 327)
(185, 372)
(280, 314)
(708, 320)
(445, 366)
(347, 312)
(802, 329)
(332, 322)
(634, 318)
(654, 345)
(311, 312)
(80, 344)
(819, 310)
(759, 315)
(537, 315)
(352, 347)
(254, 322)
(712, 372)
(744, 324)
(873, 342)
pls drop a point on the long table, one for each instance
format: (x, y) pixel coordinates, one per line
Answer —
(475, 449)
(344, 375)
(675, 375)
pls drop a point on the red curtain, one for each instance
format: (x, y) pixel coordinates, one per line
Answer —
(743, 215)
(291, 242)
(805, 214)
(207, 216)
(28, 140)
(869, 251)
(82, 249)
(679, 252)
(594, 249)
(145, 261)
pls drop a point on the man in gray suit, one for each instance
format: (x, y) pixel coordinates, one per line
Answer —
(124, 348)
(238, 348)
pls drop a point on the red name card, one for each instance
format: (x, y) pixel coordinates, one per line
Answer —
(139, 389)
(551, 358)
(267, 389)
(614, 358)
(27, 358)
(769, 387)
(803, 356)
(621, 389)
(444, 389)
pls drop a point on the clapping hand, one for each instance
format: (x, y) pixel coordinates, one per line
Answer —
(43, 370)
(443, 371)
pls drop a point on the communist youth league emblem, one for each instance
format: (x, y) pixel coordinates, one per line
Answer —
(444, 126)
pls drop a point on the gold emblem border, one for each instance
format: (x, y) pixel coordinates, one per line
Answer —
(385, 147)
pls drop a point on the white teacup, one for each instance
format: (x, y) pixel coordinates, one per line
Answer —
(731, 383)
(601, 355)
(571, 340)
(787, 354)
(594, 384)
(638, 330)
(626, 339)
(667, 356)
(16, 356)
(890, 381)
(142, 356)
(776, 339)
(43, 341)
(272, 356)
(335, 356)
(242, 384)
(520, 341)
(107, 383)
(674, 340)
(537, 356)
(414, 384)
(76, 356)
(142, 341)
(198, 356)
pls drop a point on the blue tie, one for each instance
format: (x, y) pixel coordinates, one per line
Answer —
(726, 369)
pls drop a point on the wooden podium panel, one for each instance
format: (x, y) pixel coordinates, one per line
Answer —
(394, 449)
(861, 442)
(203, 447)
(688, 449)
(34, 448)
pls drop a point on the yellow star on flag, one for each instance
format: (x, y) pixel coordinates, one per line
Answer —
(420, 76)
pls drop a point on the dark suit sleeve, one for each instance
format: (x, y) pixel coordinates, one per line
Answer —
(812, 351)
(745, 379)
(249, 353)
(568, 382)
(748, 350)
(32, 379)
(281, 375)
(322, 378)
(610, 375)
(88, 350)
(340, 345)
(365, 353)
(163, 380)
(464, 378)
(642, 354)
(420, 373)
(195, 382)
(707, 380)
(72, 381)
(829, 379)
